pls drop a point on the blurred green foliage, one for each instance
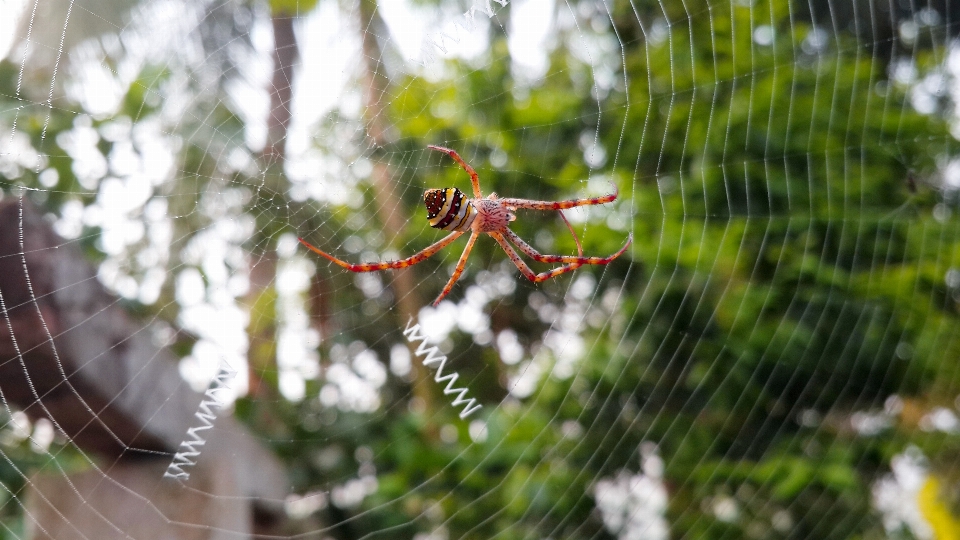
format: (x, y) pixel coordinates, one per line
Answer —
(783, 270)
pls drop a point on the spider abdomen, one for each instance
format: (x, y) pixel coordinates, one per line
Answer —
(448, 209)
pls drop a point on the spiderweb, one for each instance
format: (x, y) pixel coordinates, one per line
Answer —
(773, 357)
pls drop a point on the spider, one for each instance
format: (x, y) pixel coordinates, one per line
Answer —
(451, 210)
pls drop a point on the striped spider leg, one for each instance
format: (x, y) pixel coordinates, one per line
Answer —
(450, 209)
(386, 265)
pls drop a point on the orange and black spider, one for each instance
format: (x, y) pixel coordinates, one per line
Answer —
(451, 210)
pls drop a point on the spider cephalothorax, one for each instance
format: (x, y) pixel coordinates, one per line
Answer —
(452, 210)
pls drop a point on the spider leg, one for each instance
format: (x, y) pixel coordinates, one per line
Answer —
(459, 269)
(560, 205)
(524, 268)
(418, 257)
(573, 232)
(474, 178)
(566, 259)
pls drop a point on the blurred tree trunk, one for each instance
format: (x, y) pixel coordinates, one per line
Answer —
(286, 53)
(388, 204)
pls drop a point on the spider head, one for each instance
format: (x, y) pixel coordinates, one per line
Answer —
(443, 206)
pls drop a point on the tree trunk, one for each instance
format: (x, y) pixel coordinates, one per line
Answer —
(286, 53)
(388, 205)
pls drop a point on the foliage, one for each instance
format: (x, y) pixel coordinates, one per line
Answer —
(771, 189)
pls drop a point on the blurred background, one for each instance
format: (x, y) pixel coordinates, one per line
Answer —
(775, 355)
